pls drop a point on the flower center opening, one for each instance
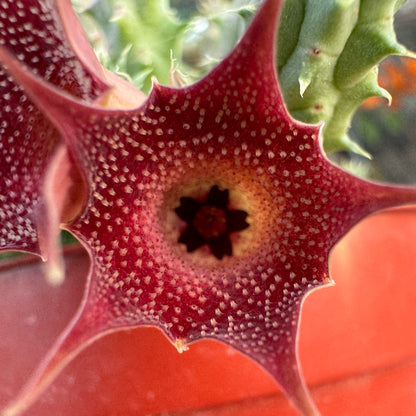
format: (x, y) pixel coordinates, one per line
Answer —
(210, 222)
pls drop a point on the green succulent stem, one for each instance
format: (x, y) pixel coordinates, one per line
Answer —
(328, 53)
(138, 38)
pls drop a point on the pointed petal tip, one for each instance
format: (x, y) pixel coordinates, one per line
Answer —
(181, 345)
(13, 409)
(265, 22)
(57, 185)
(303, 401)
(55, 273)
(155, 83)
(121, 94)
(158, 89)
(298, 393)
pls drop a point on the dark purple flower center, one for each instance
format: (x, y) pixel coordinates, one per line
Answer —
(210, 222)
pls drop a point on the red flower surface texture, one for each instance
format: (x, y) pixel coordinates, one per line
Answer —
(40, 186)
(230, 130)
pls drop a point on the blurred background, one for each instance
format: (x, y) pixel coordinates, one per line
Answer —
(389, 133)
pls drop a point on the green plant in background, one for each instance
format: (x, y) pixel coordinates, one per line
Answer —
(142, 39)
(133, 38)
(325, 74)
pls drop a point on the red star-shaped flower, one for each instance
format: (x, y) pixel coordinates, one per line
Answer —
(30, 156)
(232, 130)
(38, 179)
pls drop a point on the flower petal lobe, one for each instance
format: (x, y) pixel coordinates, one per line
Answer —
(33, 32)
